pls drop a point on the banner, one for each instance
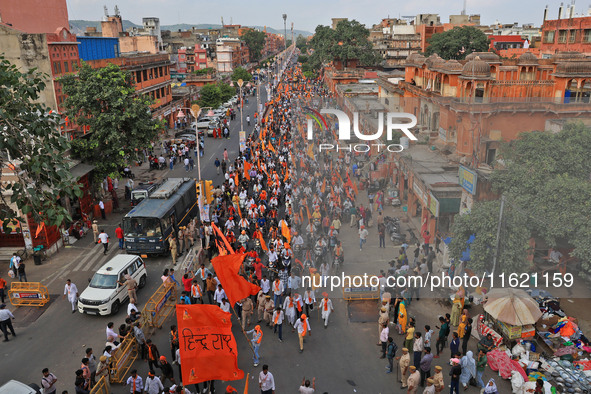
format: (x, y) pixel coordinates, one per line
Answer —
(207, 347)
(235, 286)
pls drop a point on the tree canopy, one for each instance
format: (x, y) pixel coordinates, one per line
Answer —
(121, 123)
(255, 41)
(457, 43)
(545, 179)
(33, 149)
(348, 41)
(213, 95)
(241, 73)
(302, 43)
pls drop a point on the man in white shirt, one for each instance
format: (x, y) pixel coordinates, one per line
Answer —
(302, 325)
(131, 307)
(305, 387)
(101, 205)
(326, 308)
(265, 285)
(293, 282)
(135, 383)
(219, 295)
(104, 239)
(225, 305)
(48, 381)
(110, 332)
(266, 381)
(309, 300)
(153, 384)
(72, 292)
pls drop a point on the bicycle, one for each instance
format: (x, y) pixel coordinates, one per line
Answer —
(23, 254)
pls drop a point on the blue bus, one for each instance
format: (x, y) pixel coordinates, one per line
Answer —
(148, 226)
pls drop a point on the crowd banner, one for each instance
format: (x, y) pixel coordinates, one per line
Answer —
(206, 344)
(28, 294)
(122, 359)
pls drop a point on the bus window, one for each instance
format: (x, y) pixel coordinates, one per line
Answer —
(142, 227)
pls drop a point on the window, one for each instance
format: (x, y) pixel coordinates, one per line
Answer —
(57, 67)
(66, 69)
(572, 36)
(562, 36)
(158, 94)
(145, 75)
(587, 35)
(549, 37)
(138, 76)
(74, 65)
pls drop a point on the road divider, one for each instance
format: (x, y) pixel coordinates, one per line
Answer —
(28, 294)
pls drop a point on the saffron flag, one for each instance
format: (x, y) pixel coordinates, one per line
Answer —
(285, 231)
(207, 347)
(263, 244)
(221, 235)
(246, 384)
(247, 167)
(311, 151)
(235, 286)
(39, 229)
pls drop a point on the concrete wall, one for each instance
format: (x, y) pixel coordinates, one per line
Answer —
(139, 44)
(28, 51)
(35, 16)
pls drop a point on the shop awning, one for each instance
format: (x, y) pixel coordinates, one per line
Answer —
(79, 170)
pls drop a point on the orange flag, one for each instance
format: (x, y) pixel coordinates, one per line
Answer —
(222, 236)
(206, 344)
(263, 244)
(39, 229)
(285, 231)
(271, 147)
(323, 188)
(239, 211)
(308, 212)
(246, 384)
(236, 182)
(235, 286)
(247, 167)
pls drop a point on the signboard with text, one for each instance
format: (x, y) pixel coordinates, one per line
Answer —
(468, 179)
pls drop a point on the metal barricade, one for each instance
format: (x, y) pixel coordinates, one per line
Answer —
(159, 306)
(190, 261)
(101, 387)
(28, 294)
(122, 359)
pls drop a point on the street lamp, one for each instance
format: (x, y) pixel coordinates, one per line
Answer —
(258, 98)
(240, 83)
(195, 111)
(285, 30)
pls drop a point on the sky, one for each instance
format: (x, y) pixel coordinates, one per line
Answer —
(307, 14)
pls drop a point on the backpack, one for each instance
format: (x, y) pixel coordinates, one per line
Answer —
(392, 348)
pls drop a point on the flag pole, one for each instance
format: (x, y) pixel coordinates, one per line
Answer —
(243, 332)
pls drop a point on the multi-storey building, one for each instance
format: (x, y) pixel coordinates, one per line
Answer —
(570, 32)
(231, 53)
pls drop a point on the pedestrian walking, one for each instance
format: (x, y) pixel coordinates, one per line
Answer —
(326, 308)
(153, 384)
(363, 233)
(22, 276)
(48, 382)
(257, 337)
(302, 326)
(425, 366)
(153, 355)
(390, 354)
(135, 383)
(101, 205)
(217, 165)
(119, 234)
(6, 322)
(167, 371)
(278, 317)
(480, 367)
(104, 239)
(15, 261)
(266, 381)
(455, 373)
(71, 291)
(468, 365)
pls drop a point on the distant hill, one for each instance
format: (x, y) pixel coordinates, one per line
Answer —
(79, 27)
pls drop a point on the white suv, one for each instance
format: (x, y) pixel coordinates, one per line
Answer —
(104, 295)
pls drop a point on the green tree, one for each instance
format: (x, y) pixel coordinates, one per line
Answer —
(547, 176)
(32, 149)
(226, 91)
(211, 96)
(482, 222)
(302, 43)
(255, 41)
(204, 71)
(457, 43)
(241, 73)
(349, 41)
(120, 121)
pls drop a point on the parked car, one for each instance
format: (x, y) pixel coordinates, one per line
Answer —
(189, 137)
(180, 133)
(104, 294)
(16, 387)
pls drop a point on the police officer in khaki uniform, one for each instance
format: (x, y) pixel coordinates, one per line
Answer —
(414, 380)
(181, 237)
(95, 230)
(246, 312)
(261, 305)
(383, 319)
(173, 248)
(438, 379)
(403, 363)
(188, 238)
(269, 308)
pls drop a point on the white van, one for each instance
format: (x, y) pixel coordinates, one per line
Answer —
(104, 295)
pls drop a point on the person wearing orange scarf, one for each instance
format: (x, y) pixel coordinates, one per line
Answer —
(326, 308)
(257, 337)
(290, 310)
(278, 322)
(303, 327)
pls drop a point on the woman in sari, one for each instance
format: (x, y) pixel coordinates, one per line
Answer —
(402, 318)
(463, 322)
(456, 309)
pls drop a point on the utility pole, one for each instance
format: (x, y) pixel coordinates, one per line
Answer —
(285, 31)
(496, 255)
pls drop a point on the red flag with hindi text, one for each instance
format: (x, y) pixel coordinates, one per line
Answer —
(206, 344)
